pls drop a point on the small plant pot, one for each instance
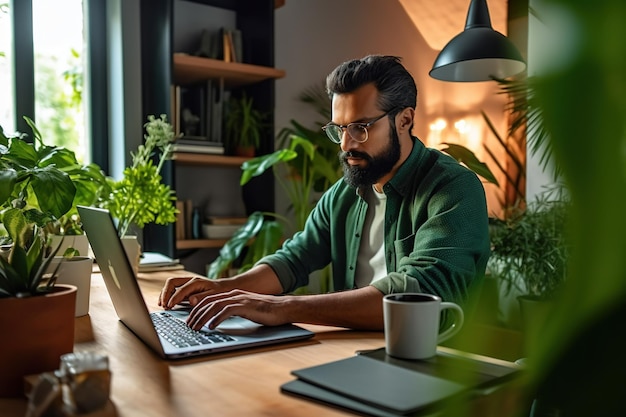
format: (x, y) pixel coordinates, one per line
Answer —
(75, 271)
(78, 242)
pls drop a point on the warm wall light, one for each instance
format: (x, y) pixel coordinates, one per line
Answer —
(465, 131)
(479, 53)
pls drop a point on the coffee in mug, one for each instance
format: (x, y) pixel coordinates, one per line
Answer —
(412, 324)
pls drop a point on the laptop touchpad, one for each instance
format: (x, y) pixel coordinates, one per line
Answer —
(238, 325)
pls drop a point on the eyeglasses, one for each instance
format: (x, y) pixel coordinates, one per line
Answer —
(357, 131)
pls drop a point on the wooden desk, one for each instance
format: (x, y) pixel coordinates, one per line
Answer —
(242, 383)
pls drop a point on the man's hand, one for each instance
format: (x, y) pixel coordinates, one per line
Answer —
(269, 310)
(192, 289)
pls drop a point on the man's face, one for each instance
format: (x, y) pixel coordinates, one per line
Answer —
(368, 162)
(375, 166)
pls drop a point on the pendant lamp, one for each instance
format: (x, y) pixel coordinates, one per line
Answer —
(479, 53)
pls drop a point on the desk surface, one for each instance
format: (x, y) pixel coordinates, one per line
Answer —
(241, 383)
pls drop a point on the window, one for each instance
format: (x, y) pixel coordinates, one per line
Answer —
(59, 46)
(58, 49)
(6, 79)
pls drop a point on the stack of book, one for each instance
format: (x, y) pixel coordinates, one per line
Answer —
(198, 145)
(154, 261)
(199, 112)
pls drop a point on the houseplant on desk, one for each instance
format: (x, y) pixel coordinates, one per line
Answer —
(141, 197)
(34, 191)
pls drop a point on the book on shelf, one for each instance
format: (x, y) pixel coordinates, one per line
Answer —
(175, 105)
(198, 148)
(189, 220)
(237, 45)
(180, 220)
(226, 45)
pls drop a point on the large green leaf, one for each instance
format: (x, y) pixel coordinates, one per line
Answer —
(15, 224)
(60, 157)
(257, 166)
(8, 178)
(54, 190)
(22, 153)
(464, 155)
(233, 248)
(267, 241)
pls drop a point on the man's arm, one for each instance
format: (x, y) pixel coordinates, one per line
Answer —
(357, 309)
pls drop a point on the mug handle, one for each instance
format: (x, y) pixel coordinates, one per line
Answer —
(456, 324)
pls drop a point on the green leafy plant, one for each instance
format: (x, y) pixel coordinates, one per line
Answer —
(38, 185)
(531, 248)
(305, 165)
(140, 197)
(44, 182)
(244, 123)
(23, 268)
(259, 235)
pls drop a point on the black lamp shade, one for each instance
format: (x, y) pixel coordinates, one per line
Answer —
(479, 53)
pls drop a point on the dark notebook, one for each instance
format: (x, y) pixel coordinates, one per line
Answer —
(379, 385)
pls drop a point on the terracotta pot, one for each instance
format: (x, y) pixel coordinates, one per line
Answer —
(246, 151)
(35, 331)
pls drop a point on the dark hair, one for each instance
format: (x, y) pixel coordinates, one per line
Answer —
(395, 85)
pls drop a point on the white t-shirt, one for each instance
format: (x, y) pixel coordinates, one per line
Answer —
(371, 263)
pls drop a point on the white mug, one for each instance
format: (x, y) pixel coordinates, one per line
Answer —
(412, 324)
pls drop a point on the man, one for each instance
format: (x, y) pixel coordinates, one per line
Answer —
(403, 219)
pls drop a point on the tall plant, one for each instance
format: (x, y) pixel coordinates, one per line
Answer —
(141, 197)
(306, 164)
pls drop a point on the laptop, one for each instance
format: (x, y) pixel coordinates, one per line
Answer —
(166, 331)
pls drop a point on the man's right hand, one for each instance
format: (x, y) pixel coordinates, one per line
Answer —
(192, 289)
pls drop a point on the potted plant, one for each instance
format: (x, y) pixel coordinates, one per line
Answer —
(244, 125)
(34, 191)
(306, 165)
(530, 252)
(50, 196)
(140, 196)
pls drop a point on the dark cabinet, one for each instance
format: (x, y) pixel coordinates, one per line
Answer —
(171, 32)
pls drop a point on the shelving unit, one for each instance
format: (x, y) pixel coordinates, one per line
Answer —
(191, 69)
(172, 29)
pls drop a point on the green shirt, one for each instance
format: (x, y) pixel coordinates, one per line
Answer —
(436, 232)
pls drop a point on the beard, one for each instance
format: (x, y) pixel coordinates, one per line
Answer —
(376, 166)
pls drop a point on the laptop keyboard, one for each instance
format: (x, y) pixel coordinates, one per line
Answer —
(180, 335)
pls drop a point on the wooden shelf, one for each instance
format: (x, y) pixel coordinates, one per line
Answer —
(187, 158)
(190, 69)
(200, 243)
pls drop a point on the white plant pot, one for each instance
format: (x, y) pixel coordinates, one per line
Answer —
(78, 242)
(75, 271)
(133, 251)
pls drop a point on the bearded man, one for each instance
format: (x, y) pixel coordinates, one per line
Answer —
(404, 218)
